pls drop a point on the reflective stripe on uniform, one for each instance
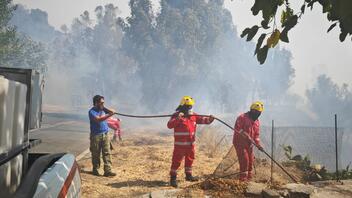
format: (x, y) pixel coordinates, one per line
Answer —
(181, 133)
(188, 168)
(173, 170)
(184, 143)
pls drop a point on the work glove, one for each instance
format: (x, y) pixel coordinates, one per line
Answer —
(180, 115)
(211, 118)
(245, 135)
(260, 147)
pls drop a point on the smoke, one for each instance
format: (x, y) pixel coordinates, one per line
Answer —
(34, 22)
(146, 62)
(327, 98)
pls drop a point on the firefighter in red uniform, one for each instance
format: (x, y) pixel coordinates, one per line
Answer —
(247, 130)
(184, 123)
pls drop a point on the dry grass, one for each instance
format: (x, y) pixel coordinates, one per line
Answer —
(221, 187)
(212, 141)
(143, 161)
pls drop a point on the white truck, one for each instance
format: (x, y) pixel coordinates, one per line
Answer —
(23, 174)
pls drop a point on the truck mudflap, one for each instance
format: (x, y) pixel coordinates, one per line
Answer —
(53, 175)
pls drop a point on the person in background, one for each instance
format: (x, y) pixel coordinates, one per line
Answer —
(184, 122)
(246, 131)
(99, 137)
(115, 124)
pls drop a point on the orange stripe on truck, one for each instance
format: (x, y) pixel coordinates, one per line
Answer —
(68, 181)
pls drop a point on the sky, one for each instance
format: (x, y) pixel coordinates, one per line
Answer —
(314, 51)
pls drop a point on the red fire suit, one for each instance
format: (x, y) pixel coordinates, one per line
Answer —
(184, 139)
(243, 146)
(115, 124)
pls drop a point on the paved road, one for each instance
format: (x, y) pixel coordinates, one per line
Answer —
(62, 136)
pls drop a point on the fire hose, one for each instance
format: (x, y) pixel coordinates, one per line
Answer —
(224, 123)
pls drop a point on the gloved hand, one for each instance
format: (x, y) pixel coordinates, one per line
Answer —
(260, 147)
(211, 118)
(245, 135)
(180, 115)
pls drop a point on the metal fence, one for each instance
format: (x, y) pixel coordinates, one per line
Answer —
(327, 146)
(330, 147)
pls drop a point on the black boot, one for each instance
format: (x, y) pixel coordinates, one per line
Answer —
(173, 181)
(190, 178)
(95, 172)
(109, 174)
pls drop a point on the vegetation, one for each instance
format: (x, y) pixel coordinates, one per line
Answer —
(18, 50)
(314, 172)
(338, 12)
(8, 41)
(147, 61)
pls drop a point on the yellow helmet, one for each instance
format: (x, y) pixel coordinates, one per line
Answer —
(187, 100)
(259, 106)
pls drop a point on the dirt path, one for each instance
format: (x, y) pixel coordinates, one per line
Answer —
(142, 163)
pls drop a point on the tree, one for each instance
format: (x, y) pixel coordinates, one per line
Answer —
(327, 98)
(339, 12)
(89, 54)
(8, 42)
(31, 55)
(149, 60)
(190, 47)
(17, 50)
(34, 23)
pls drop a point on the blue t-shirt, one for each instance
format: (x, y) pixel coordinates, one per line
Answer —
(97, 128)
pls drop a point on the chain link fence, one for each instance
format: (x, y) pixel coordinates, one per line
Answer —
(316, 144)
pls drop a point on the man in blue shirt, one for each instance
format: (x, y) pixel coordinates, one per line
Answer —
(99, 138)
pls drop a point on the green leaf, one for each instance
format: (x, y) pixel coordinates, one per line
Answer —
(290, 22)
(257, 7)
(303, 8)
(283, 17)
(262, 54)
(326, 4)
(288, 156)
(259, 43)
(281, 2)
(273, 39)
(311, 3)
(332, 27)
(252, 32)
(297, 158)
(343, 36)
(283, 36)
(245, 32)
(264, 24)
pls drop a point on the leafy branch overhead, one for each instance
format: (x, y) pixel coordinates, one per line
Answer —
(339, 12)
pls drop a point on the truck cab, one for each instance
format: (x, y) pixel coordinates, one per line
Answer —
(23, 174)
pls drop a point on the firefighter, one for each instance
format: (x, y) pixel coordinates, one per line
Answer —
(184, 123)
(115, 124)
(247, 130)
